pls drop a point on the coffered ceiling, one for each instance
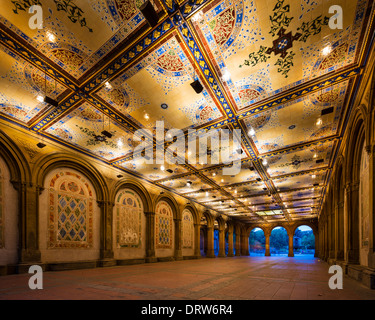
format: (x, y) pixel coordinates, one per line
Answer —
(273, 69)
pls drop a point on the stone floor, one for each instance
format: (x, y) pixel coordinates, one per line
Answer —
(237, 278)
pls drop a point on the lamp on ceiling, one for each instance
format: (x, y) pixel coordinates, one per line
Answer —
(149, 13)
(47, 99)
(197, 86)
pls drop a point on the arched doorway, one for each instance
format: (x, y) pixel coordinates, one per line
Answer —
(203, 236)
(257, 242)
(279, 241)
(304, 241)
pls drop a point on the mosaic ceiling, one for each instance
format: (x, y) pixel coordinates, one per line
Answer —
(276, 70)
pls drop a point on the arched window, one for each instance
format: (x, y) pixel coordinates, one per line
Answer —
(70, 222)
(163, 225)
(128, 215)
(187, 229)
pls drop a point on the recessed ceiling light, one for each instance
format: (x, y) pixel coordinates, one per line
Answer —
(327, 50)
(319, 122)
(226, 75)
(164, 106)
(292, 127)
(162, 168)
(108, 85)
(147, 116)
(252, 132)
(264, 162)
(40, 98)
(51, 36)
(40, 145)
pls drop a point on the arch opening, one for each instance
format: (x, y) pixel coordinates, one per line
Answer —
(279, 241)
(304, 241)
(257, 242)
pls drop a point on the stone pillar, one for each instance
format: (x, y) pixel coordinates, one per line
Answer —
(317, 245)
(352, 255)
(178, 239)
(106, 246)
(28, 224)
(230, 242)
(222, 242)
(238, 242)
(340, 231)
(291, 251)
(197, 242)
(150, 237)
(210, 242)
(267, 236)
(245, 245)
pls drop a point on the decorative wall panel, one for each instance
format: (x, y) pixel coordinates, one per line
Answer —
(71, 202)
(163, 225)
(187, 229)
(129, 210)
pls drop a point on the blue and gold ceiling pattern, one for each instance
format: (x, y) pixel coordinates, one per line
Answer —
(268, 68)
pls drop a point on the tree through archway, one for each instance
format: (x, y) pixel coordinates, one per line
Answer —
(257, 242)
(279, 241)
(304, 241)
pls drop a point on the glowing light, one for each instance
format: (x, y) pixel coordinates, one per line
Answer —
(162, 168)
(51, 37)
(147, 116)
(326, 51)
(108, 85)
(264, 162)
(226, 75)
(319, 122)
(40, 98)
(252, 132)
(120, 143)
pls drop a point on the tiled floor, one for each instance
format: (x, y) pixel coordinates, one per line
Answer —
(220, 278)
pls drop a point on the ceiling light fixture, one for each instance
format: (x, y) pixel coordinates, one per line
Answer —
(51, 36)
(40, 98)
(108, 85)
(41, 145)
(326, 51)
(226, 75)
(264, 162)
(319, 122)
(162, 168)
(252, 132)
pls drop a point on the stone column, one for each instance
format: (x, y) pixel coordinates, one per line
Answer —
(150, 237)
(197, 242)
(106, 247)
(238, 242)
(210, 242)
(230, 242)
(317, 247)
(353, 232)
(28, 195)
(178, 239)
(267, 236)
(291, 251)
(222, 243)
(245, 245)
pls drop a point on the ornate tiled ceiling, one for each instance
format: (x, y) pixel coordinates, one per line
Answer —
(274, 69)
